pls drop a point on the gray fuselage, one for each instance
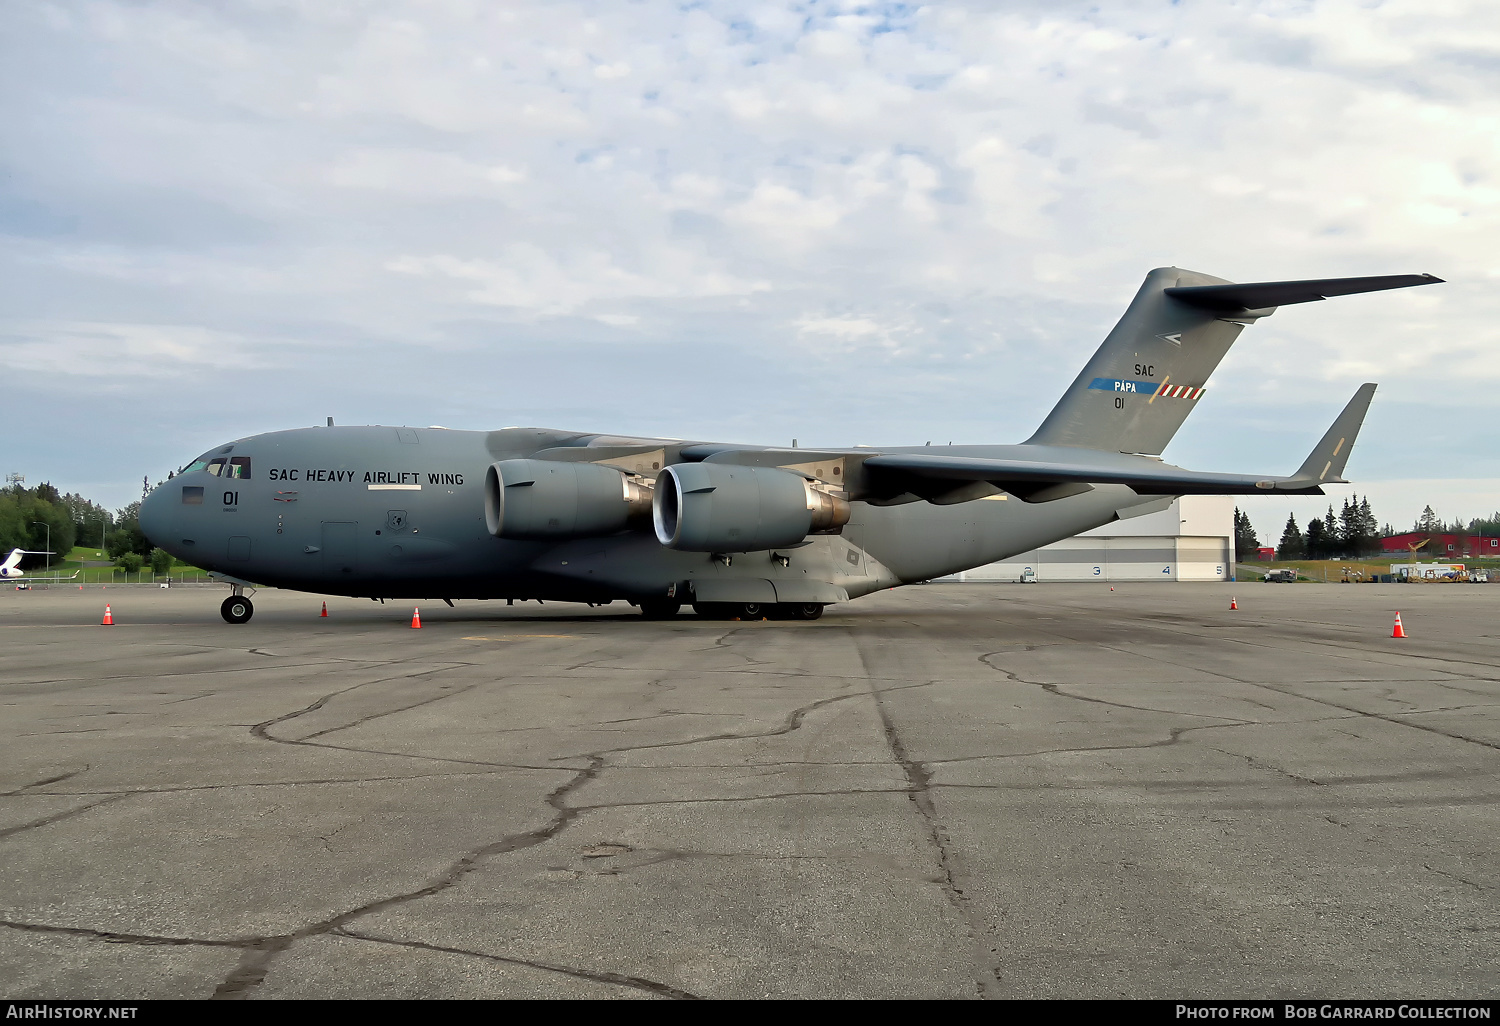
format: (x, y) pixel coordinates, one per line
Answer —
(400, 513)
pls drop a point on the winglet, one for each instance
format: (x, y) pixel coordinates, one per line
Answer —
(1325, 464)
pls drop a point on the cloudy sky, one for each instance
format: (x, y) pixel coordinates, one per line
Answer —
(842, 222)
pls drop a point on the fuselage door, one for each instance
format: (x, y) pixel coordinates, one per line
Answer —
(339, 547)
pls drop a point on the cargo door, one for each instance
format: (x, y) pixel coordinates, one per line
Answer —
(339, 548)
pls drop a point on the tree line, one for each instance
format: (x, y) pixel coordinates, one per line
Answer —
(1350, 533)
(31, 517)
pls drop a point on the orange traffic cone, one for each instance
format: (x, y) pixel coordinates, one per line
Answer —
(416, 618)
(1232, 603)
(1399, 632)
(109, 619)
(325, 610)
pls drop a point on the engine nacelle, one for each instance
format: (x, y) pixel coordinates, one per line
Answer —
(539, 500)
(721, 507)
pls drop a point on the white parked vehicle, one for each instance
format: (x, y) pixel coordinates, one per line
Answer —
(1028, 576)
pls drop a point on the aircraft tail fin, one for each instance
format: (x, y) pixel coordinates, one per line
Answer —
(1151, 370)
(14, 559)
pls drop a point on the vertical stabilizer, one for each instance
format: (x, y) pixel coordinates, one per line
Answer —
(1150, 371)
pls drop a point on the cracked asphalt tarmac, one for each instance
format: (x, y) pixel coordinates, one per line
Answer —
(944, 791)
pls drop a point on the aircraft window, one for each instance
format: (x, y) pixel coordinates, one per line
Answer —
(192, 495)
(215, 466)
(196, 465)
(239, 468)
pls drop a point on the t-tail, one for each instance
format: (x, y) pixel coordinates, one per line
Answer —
(11, 567)
(1153, 367)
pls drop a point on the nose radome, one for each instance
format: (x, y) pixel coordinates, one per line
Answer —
(154, 517)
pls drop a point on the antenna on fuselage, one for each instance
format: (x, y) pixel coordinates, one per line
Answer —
(330, 422)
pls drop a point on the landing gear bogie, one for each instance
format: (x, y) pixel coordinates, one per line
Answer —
(758, 610)
(662, 610)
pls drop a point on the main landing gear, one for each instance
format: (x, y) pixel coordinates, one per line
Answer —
(758, 610)
(237, 607)
(664, 609)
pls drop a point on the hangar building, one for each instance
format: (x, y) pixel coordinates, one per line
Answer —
(1190, 540)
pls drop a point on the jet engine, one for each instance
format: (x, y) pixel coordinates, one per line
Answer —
(718, 507)
(539, 500)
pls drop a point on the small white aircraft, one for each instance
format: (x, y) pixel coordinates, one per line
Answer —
(10, 569)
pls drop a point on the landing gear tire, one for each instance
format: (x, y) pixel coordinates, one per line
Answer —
(804, 610)
(659, 610)
(236, 609)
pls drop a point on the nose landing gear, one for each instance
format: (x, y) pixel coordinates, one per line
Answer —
(236, 609)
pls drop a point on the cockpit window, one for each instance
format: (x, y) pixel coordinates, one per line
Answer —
(215, 467)
(239, 468)
(195, 465)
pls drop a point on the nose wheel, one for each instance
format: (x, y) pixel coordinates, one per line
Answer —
(236, 609)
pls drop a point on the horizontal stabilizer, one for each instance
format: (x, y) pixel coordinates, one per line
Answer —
(1267, 294)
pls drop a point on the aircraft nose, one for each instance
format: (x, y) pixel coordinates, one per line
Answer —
(154, 517)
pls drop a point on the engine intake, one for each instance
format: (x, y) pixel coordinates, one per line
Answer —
(718, 507)
(539, 500)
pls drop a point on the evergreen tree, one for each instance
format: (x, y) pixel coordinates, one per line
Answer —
(1245, 541)
(1428, 523)
(1292, 545)
(1349, 527)
(1489, 525)
(1317, 542)
(1358, 532)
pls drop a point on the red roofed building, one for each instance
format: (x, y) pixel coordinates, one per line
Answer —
(1442, 546)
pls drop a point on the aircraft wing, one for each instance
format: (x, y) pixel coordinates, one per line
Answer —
(1044, 480)
(1024, 477)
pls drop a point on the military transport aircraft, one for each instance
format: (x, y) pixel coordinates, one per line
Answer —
(745, 531)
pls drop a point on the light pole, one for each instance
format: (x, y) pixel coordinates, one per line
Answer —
(49, 541)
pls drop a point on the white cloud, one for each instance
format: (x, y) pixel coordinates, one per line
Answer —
(532, 280)
(142, 352)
